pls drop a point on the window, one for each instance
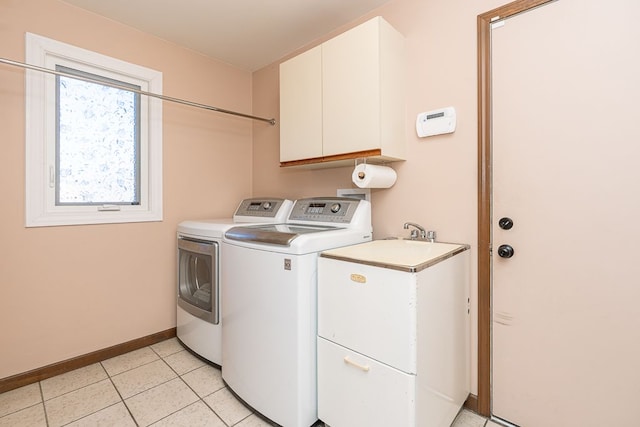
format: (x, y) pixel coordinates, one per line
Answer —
(94, 151)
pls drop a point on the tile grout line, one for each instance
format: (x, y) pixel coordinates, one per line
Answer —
(120, 395)
(93, 413)
(8, 414)
(170, 354)
(150, 388)
(123, 400)
(200, 398)
(181, 379)
(209, 406)
(44, 407)
(73, 391)
(110, 378)
(130, 369)
(242, 419)
(41, 402)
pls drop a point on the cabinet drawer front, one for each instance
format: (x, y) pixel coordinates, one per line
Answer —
(369, 310)
(354, 390)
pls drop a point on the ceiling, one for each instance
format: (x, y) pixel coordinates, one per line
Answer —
(248, 34)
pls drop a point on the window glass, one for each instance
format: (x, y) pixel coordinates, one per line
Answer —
(97, 143)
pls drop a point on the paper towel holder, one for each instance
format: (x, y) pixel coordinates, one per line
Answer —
(361, 174)
(364, 162)
(365, 177)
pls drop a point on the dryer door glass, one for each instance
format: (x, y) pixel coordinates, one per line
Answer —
(198, 278)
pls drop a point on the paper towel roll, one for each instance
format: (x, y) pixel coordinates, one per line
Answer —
(373, 176)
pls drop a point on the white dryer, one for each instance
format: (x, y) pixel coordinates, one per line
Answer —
(199, 272)
(269, 312)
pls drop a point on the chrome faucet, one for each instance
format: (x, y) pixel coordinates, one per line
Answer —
(419, 233)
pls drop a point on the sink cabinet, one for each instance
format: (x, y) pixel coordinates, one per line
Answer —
(344, 99)
(393, 344)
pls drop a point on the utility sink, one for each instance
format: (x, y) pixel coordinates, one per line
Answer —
(404, 255)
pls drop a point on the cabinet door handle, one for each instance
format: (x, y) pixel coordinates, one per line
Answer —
(357, 365)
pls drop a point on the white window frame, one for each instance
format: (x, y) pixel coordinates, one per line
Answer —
(41, 209)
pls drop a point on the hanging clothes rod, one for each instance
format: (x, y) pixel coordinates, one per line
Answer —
(272, 122)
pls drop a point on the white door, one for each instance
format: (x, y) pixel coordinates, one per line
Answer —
(566, 170)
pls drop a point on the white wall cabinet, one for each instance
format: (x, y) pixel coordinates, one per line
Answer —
(393, 334)
(301, 106)
(345, 99)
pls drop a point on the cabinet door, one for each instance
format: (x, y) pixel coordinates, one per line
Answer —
(351, 90)
(301, 106)
(369, 309)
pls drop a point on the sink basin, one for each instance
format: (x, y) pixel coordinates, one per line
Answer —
(405, 255)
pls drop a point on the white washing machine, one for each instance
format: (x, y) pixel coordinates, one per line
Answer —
(199, 273)
(269, 276)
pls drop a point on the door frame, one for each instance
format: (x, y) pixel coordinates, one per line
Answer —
(484, 192)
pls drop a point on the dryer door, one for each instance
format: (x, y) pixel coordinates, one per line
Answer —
(198, 282)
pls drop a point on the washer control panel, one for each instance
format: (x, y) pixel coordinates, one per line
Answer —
(328, 209)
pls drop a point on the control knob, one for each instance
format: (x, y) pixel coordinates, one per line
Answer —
(266, 205)
(335, 208)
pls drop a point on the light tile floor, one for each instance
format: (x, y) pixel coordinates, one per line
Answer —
(160, 385)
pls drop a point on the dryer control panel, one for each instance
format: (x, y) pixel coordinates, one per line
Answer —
(274, 209)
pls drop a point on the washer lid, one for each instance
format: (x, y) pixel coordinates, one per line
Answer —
(273, 234)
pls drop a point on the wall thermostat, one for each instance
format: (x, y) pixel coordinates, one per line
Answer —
(436, 122)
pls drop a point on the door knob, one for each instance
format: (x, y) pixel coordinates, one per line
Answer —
(505, 223)
(505, 251)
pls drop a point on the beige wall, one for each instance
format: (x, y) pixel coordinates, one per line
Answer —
(437, 185)
(67, 291)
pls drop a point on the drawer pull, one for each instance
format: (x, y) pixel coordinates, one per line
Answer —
(357, 365)
(358, 278)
